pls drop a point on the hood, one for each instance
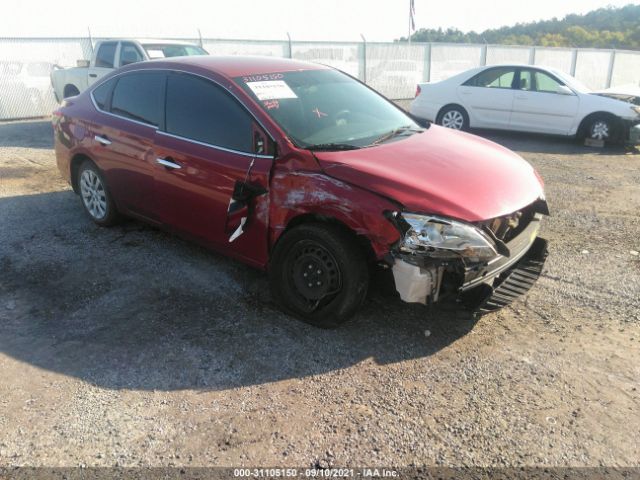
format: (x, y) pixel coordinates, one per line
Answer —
(626, 93)
(440, 171)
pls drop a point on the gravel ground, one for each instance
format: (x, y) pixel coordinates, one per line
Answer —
(128, 346)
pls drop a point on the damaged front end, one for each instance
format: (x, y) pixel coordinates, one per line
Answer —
(486, 265)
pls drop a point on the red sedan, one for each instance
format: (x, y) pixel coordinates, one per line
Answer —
(301, 170)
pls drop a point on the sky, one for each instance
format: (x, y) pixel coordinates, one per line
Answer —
(377, 20)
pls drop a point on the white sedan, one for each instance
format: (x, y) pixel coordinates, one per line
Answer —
(524, 98)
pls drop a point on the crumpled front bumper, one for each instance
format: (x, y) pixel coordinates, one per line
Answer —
(486, 286)
(515, 281)
(631, 131)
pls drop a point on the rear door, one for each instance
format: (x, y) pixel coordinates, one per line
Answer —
(105, 61)
(539, 107)
(488, 97)
(124, 137)
(207, 147)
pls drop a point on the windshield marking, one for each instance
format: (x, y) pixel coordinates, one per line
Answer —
(271, 90)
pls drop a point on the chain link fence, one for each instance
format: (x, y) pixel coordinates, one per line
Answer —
(393, 69)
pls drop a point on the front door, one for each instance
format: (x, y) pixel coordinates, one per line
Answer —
(205, 151)
(539, 106)
(104, 62)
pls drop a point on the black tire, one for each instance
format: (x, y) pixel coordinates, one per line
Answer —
(602, 127)
(459, 118)
(94, 195)
(70, 91)
(334, 265)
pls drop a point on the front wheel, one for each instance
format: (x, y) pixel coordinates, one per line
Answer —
(319, 274)
(602, 128)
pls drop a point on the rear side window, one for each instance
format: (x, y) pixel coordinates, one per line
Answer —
(101, 94)
(200, 110)
(138, 96)
(493, 78)
(106, 55)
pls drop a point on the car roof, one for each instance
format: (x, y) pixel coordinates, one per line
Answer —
(237, 65)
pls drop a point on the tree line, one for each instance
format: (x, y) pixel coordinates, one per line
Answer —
(607, 27)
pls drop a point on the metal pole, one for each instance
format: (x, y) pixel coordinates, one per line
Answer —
(90, 39)
(612, 62)
(426, 75)
(409, 37)
(483, 55)
(290, 49)
(364, 58)
(574, 62)
(200, 37)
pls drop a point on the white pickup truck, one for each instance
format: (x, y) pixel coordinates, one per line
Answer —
(111, 54)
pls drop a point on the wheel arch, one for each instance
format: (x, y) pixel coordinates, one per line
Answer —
(361, 240)
(465, 112)
(68, 89)
(74, 166)
(581, 132)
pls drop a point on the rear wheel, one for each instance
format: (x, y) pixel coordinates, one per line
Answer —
(95, 195)
(454, 117)
(319, 274)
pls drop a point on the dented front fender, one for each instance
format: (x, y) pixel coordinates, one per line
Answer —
(311, 192)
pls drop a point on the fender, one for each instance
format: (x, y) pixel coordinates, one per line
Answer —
(296, 193)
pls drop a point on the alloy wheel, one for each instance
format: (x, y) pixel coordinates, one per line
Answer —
(93, 195)
(453, 119)
(600, 130)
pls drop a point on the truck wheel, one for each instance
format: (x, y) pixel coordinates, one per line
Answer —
(95, 195)
(71, 91)
(319, 274)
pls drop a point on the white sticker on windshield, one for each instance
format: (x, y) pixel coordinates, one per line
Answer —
(271, 90)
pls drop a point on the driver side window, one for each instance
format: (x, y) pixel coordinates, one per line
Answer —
(544, 83)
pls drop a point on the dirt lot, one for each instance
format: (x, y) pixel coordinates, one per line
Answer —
(128, 346)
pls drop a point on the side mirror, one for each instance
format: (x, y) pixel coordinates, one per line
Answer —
(262, 144)
(564, 90)
(83, 63)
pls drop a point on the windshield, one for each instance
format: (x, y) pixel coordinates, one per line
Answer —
(327, 109)
(165, 50)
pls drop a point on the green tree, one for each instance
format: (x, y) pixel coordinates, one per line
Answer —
(605, 28)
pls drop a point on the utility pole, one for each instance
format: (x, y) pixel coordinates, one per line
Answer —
(409, 37)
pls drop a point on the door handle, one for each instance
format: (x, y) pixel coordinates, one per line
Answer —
(102, 140)
(522, 97)
(93, 75)
(168, 163)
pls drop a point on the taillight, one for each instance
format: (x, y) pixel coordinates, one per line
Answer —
(418, 90)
